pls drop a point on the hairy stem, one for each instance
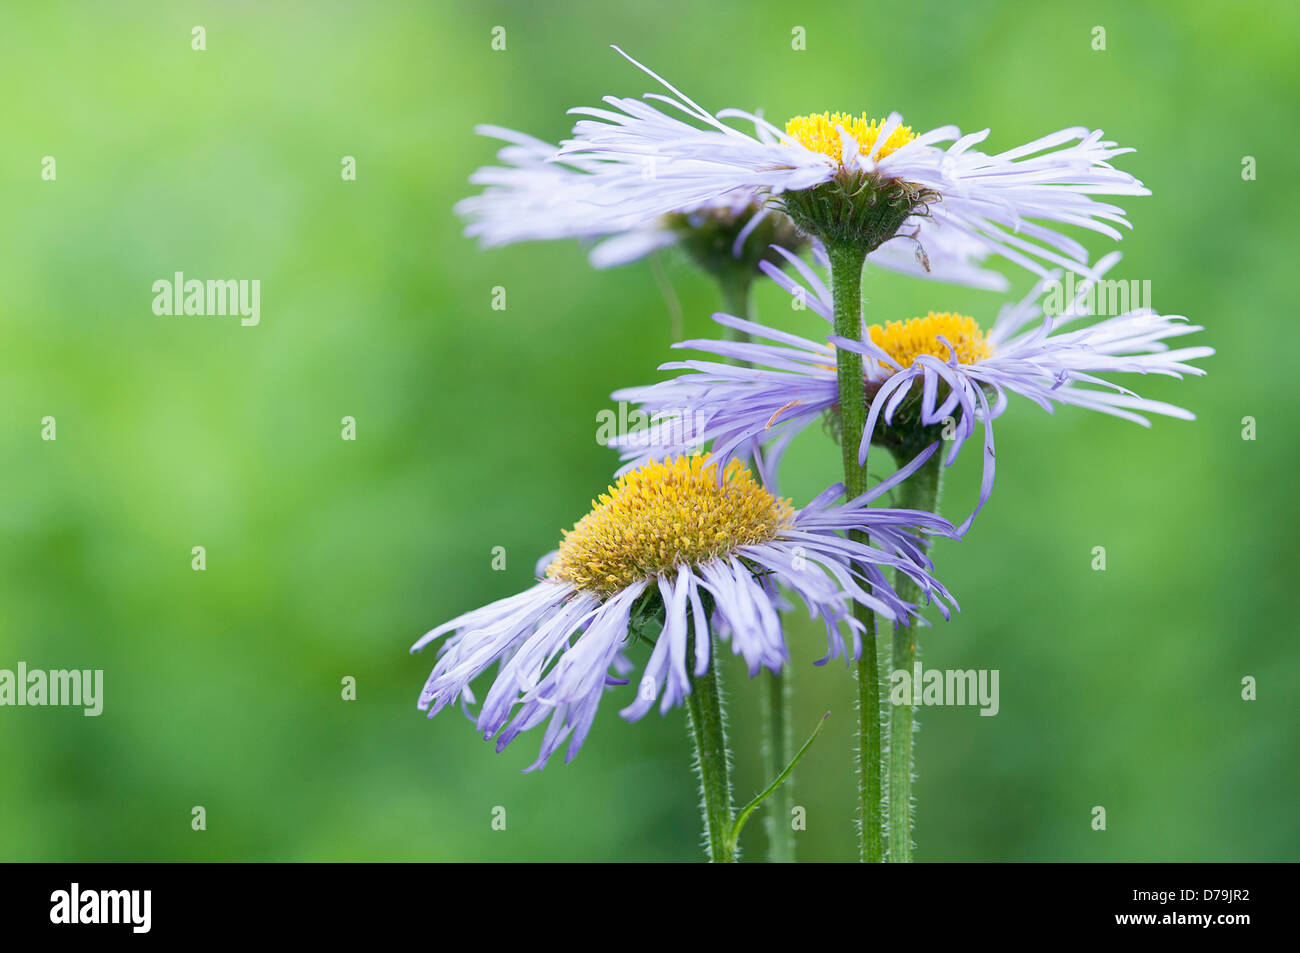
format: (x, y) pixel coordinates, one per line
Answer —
(921, 492)
(778, 751)
(712, 757)
(846, 290)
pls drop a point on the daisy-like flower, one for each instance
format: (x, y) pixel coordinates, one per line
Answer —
(931, 374)
(858, 181)
(534, 195)
(705, 555)
(531, 197)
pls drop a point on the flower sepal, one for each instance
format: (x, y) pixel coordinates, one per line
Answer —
(856, 209)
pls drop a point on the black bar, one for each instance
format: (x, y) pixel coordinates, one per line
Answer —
(916, 904)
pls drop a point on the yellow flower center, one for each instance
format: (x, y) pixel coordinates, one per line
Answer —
(817, 132)
(665, 515)
(905, 341)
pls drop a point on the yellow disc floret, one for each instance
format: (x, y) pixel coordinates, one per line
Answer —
(665, 515)
(905, 341)
(817, 132)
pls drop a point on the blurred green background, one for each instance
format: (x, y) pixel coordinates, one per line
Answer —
(476, 429)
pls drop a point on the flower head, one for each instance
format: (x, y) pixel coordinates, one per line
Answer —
(535, 194)
(862, 180)
(702, 554)
(918, 374)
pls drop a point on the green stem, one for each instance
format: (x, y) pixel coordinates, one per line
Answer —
(775, 696)
(778, 751)
(921, 492)
(846, 291)
(736, 300)
(704, 710)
